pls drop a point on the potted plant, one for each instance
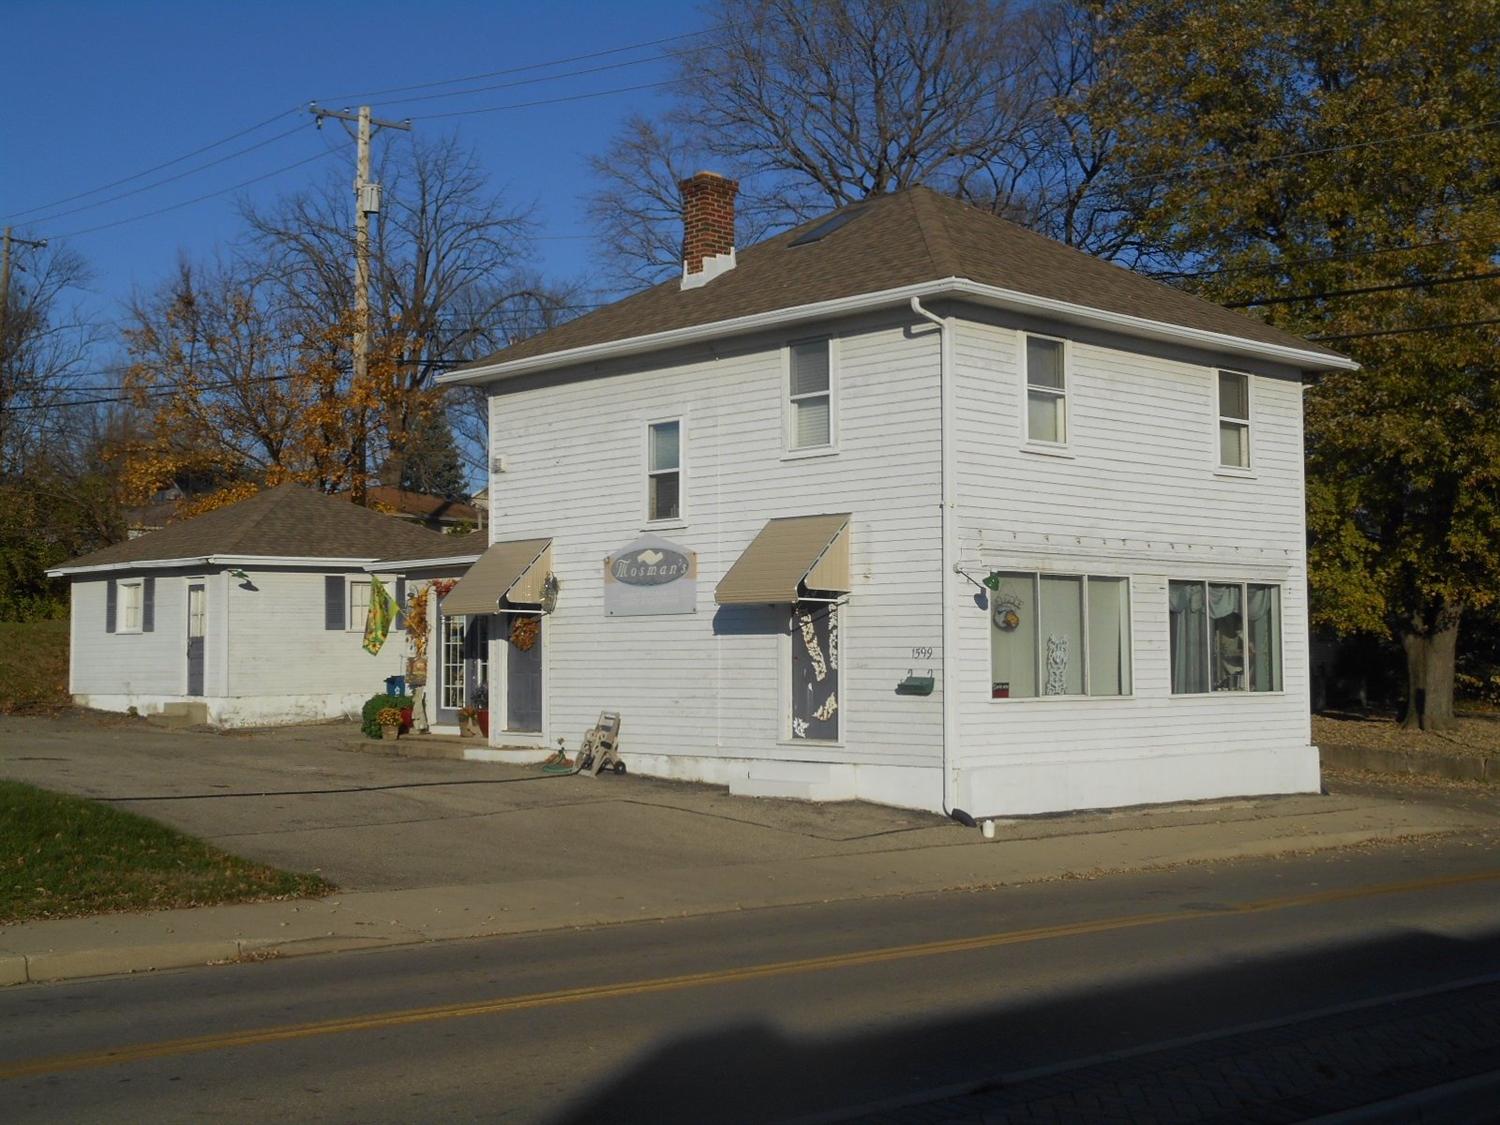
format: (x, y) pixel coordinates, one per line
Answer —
(389, 719)
(483, 719)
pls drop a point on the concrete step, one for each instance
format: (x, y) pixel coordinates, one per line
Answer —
(182, 714)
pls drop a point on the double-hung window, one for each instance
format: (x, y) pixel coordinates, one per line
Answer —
(1234, 420)
(129, 612)
(359, 606)
(810, 395)
(1046, 391)
(1225, 636)
(664, 470)
(1058, 634)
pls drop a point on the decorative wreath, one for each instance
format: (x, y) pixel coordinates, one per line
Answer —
(524, 632)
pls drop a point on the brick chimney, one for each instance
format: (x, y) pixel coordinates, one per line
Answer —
(707, 227)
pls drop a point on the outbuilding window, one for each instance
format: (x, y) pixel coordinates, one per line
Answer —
(1046, 390)
(1225, 636)
(130, 605)
(359, 606)
(1058, 634)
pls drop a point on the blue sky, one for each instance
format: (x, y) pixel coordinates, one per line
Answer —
(95, 92)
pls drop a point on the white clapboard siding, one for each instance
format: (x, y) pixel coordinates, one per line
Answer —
(128, 664)
(280, 646)
(1138, 495)
(709, 684)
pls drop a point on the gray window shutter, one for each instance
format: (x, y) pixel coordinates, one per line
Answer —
(400, 604)
(111, 605)
(148, 605)
(333, 601)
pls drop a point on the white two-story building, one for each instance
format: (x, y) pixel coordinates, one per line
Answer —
(907, 504)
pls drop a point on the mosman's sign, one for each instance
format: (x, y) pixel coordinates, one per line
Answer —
(649, 576)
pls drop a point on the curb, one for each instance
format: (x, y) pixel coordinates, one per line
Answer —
(1447, 767)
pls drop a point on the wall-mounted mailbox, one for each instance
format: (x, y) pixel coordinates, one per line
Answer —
(916, 685)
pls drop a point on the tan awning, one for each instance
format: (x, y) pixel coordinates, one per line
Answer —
(514, 571)
(789, 555)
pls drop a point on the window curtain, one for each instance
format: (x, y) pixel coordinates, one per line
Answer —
(1189, 638)
(1265, 638)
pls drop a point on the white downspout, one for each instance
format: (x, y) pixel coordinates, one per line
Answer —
(949, 532)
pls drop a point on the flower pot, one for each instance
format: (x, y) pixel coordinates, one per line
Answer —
(390, 732)
(405, 719)
(484, 722)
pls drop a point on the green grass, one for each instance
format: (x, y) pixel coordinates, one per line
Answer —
(63, 856)
(33, 666)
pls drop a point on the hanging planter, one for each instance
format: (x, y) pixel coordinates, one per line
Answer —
(524, 632)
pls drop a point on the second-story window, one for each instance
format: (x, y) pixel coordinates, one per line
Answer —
(1046, 391)
(811, 396)
(1234, 420)
(664, 470)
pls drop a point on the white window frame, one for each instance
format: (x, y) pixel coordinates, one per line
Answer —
(1220, 418)
(353, 624)
(680, 519)
(790, 450)
(1208, 625)
(1040, 659)
(122, 602)
(1042, 445)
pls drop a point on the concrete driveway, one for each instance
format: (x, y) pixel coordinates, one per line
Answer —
(370, 822)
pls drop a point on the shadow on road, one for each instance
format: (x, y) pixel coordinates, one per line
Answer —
(1291, 1071)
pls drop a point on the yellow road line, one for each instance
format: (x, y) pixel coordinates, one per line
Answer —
(31, 1068)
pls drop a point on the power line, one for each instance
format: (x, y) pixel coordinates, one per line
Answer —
(210, 195)
(1407, 331)
(158, 167)
(543, 101)
(526, 81)
(170, 179)
(1271, 267)
(514, 69)
(1250, 162)
(1391, 287)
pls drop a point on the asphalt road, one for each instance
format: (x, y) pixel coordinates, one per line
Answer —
(789, 1013)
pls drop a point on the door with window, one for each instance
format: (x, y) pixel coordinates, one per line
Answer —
(195, 622)
(463, 666)
(523, 675)
(815, 672)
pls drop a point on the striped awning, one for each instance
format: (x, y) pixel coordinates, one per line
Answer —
(514, 572)
(790, 555)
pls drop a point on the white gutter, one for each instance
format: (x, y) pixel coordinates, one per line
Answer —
(949, 533)
(215, 560)
(418, 564)
(956, 287)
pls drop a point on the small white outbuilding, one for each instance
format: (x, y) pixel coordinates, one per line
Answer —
(250, 614)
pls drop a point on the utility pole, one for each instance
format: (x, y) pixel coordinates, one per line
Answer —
(10, 237)
(366, 203)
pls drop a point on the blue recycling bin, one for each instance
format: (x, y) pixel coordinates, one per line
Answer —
(395, 685)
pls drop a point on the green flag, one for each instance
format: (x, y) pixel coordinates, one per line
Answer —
(378, 621)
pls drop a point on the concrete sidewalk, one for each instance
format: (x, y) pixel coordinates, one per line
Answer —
(624, 887)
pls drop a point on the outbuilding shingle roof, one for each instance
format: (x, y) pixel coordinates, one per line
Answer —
(897, 240)
(287, 521)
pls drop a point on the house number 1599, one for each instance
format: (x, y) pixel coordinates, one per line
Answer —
(923, 652)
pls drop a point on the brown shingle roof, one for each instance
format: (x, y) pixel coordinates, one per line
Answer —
(902, 239)
(288, 521)
(422, 505)
(469, 545)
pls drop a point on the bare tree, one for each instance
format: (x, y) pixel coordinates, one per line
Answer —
(45, 348)
(815, 104)
(448, 260)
